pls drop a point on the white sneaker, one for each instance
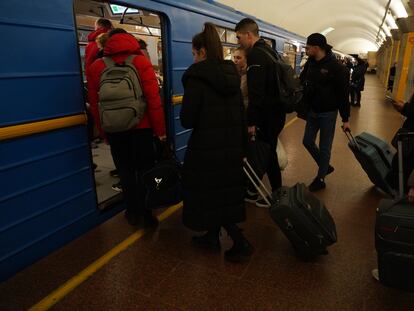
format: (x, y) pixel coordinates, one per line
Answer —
(375, 274)
(262, 203)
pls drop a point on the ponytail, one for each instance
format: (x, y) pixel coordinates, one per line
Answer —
(210, 40)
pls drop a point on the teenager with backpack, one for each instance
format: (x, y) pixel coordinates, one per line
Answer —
(213, 177)
(265, 115)
(326, 90)
(128, 120)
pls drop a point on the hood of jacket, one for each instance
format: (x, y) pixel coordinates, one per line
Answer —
(92, 36)
(221, 75)
(122, 43)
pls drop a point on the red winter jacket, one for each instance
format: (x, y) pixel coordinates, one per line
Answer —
(119, 47)
(92, 49)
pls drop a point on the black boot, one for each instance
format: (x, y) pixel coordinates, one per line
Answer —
(241, 249)
(210, 240)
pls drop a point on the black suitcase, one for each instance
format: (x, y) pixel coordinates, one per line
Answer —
(375, 157)
(301, 216)
(394, 237)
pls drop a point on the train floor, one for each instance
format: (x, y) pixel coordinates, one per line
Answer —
(162, 270)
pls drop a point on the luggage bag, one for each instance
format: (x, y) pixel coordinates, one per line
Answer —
(301, 216)
(394, 235)
(375, 157)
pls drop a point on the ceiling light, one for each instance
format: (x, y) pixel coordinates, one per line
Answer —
(391, 21)
(387, 31)
(398, 9)
(327, 30)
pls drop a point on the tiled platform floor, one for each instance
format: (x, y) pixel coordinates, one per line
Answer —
(162, 271)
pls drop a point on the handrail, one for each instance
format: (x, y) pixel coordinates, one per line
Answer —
(21, 130)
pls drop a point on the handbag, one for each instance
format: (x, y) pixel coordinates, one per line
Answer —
(281, 155)
(163, 182)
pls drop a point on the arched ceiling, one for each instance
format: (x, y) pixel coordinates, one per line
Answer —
(355, 22)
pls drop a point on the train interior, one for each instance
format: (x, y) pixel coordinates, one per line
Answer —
(143, 25)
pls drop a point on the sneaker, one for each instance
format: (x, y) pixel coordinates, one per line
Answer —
(251, 197)
(317, 184)
(375, 274)
(239, 252)
(331, 169)
(262, 203)
(117, 187)
(114, 173)
(207, 241)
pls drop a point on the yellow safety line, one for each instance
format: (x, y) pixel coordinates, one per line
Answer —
(16, 131)
(55, 296)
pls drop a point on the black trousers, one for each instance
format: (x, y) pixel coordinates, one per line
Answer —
(133, 154)
(270, 134)
(355, 93)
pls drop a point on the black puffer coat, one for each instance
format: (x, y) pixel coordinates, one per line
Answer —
(212, 173)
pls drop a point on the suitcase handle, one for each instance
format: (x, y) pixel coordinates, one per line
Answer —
(351, 137)
(258, 184)
(400, 137)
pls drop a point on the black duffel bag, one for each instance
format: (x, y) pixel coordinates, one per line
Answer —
(258, 155)
(163, 182)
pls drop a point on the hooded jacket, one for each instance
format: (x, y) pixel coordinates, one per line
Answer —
(213, 165)
(119, 47)
(91, 50)
(326, 85)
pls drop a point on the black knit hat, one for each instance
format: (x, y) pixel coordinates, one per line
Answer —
(317, 39)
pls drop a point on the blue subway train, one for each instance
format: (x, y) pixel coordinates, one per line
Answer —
(50, 191)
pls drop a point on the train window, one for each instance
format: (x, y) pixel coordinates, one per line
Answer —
(231, 37)
(269, 42)
(289, 54)
(141, 24)
(222, 33)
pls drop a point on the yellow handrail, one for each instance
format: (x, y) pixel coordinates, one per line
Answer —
(20, 130)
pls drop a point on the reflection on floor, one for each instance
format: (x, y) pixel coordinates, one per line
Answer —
(103, 159)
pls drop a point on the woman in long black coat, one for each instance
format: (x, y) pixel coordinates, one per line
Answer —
(213, 178)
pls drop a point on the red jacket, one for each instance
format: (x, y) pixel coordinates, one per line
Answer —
(119, 47)
(92, 49)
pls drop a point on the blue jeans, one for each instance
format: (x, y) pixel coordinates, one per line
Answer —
(325, 123)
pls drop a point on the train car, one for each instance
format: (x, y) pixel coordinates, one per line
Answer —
(50, 191)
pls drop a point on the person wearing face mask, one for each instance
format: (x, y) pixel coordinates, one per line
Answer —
(213, 178)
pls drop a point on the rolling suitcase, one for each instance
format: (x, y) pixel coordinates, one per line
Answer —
(375, 157)
(301, 216)
(394, 235)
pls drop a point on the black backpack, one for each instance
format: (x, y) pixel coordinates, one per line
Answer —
(289, 90)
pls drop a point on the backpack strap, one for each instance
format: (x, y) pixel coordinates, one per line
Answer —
(273, 56)
(109, 62)
(129, 59)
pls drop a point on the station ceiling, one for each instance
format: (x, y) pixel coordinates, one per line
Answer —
(351, 26)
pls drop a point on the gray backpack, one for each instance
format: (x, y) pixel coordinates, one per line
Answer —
(121, 101)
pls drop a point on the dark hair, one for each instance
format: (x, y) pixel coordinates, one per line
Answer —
(142, 44)
(103, 22)
(210, 40)
(248, 25)
(116, 31)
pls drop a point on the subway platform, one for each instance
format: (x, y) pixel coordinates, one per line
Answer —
(116, 267)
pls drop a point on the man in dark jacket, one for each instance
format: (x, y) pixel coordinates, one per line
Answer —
(326, 84)
(357, 82)
(265, 116)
